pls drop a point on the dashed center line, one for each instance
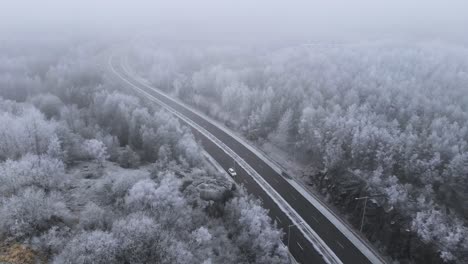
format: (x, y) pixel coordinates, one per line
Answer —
(300, 246)
(295, 197)
(339, 244)
(315, 219)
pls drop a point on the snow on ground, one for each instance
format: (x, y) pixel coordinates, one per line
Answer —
(87, 175)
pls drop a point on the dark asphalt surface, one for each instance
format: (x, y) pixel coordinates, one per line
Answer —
(300, 247)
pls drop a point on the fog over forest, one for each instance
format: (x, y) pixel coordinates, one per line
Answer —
(244, 21)
(352, 100)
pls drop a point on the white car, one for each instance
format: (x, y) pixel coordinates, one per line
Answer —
(232, 172)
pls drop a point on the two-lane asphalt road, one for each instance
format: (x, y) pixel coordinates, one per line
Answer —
(300, 247)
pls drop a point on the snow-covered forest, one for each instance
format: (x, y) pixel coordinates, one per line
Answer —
(381, 119)
(90, 174)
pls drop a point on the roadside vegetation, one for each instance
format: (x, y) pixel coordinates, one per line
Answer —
(381, 119)
(89, 174)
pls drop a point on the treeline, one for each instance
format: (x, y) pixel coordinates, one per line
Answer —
(91, 175)
(384, 119)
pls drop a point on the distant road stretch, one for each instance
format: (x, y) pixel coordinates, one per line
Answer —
(315, 237)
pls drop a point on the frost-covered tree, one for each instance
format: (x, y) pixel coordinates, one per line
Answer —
(281, 135)
(189, 150)
(90, 247)
(141, 240)
(164, 201)
(49, 104)
(44, 172)
(25, 131)
(96, 150)
(55, 150)
(450, 234)
(114, 110)
(93, 217)
(391, 114)
(31, 212)
(128, 158)
(254, 232)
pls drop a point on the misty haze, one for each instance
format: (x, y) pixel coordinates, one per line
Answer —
(227, 131)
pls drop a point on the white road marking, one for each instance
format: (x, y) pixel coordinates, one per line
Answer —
(339, 244)
(368, 251)
(311, 235)
(315, 219)
(278, 219)
(300, 246)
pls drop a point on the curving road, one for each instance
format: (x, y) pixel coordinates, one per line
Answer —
(344, 247)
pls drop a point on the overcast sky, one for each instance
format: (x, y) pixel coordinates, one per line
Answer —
(288, 18)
